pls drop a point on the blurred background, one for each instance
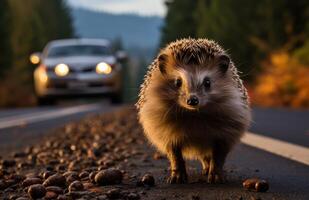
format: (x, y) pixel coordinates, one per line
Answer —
(268, 40)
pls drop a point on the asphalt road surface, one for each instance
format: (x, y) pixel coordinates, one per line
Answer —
(21, 127)
(278, 148)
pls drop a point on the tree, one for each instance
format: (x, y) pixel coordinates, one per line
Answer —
(32, 25)
(179, 21)
(5, 49)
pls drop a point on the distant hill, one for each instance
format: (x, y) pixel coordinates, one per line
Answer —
(134, 30)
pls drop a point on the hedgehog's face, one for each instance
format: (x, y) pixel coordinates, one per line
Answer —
(196, 86)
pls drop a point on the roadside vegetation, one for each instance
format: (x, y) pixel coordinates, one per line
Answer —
(25, 27)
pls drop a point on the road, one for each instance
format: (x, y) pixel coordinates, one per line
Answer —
(21, 127)
(284, 162)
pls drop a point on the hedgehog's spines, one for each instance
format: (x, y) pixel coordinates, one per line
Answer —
(185, 50)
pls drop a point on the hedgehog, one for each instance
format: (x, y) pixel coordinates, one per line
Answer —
(193, 105)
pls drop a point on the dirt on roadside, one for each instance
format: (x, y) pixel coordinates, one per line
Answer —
(106, 157)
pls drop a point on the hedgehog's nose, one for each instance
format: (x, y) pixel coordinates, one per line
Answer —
(193, 101)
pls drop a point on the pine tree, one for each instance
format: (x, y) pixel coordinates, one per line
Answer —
(179, 21)
(5, 49)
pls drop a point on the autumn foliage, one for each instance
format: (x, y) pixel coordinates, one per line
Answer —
(284, 82)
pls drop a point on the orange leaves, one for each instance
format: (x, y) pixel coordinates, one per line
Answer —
(283, 82)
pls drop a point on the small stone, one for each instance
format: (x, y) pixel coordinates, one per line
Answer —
(50, 195)
(84, 174)
(76, 186)
(261, 186)
(31, 181)
(71, 178)
(249, 184)
(77, 194)
(255, 184)
(55, 180)
(48, 174)
(55, 189)
(36, 191)
(113, 193)
(148, 180)
(109, 177)
(133, 196)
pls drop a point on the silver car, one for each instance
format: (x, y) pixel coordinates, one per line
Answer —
(75, 67)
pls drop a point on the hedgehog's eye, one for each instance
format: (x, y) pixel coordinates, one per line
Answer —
(178, 82)
(207, 83)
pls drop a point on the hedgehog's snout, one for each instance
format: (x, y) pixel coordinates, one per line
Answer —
(193, 100)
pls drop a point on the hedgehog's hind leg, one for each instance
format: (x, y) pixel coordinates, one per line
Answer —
(177, 164)
(205, 160)
(217, 160)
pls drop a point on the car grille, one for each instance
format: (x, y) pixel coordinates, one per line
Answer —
(74, 70)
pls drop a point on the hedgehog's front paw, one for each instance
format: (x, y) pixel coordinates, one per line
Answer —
(215, 177)
(205, 171)
(178, 177)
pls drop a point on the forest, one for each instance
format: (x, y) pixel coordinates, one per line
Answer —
(268, 40)
(25, 28)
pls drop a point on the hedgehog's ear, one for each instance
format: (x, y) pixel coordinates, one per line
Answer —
(162, 61)
(224, 63)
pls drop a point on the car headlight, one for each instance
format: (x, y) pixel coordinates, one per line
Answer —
(62, 70)
(103, 68)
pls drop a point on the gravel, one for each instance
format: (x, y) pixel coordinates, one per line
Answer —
(100, 157)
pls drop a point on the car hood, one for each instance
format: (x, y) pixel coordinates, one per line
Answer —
(79, 61)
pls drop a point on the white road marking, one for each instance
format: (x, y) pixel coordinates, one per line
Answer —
(278, 147)
(21, 120)
(275, 146)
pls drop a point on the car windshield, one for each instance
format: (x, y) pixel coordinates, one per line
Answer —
(78, 50)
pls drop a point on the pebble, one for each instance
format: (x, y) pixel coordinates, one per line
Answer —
(255, 184)
(47, 174)
(50, 195)
(76, 186)
(92, 176)
(84, 174)
(148, 180)
(113, 193)
(109, 177)
(31, 181)
(36, 191)
(133, 196)
(55, 180)
(55, 189)
(261, 186)
(71, 178)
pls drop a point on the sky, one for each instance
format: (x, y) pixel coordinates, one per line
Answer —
(141, 7)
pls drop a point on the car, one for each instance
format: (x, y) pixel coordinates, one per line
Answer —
(77, 67)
